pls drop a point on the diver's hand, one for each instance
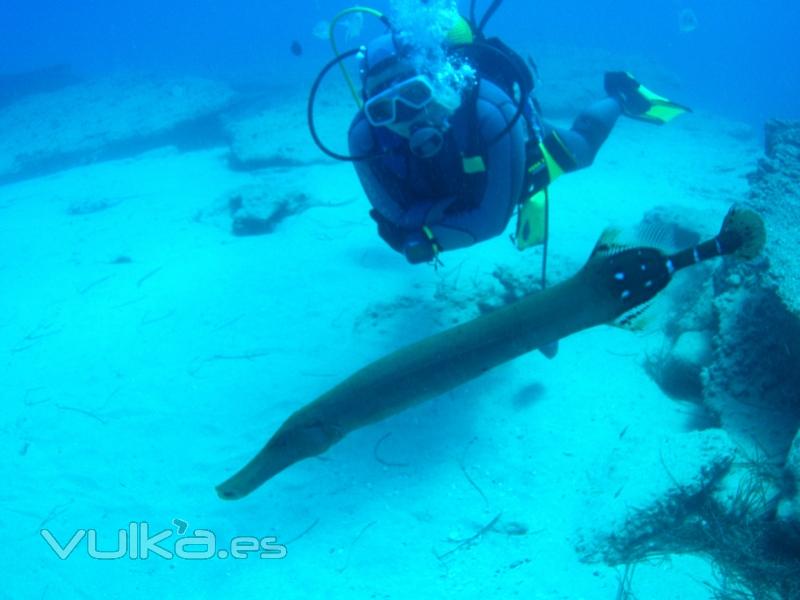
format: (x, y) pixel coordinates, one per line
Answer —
(420, 247)
(417, 245)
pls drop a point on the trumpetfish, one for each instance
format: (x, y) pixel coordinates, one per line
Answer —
(615, 280)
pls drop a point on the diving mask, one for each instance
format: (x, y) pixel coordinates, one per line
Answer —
(382, 109)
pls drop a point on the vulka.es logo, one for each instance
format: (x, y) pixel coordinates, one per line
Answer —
(136, 542)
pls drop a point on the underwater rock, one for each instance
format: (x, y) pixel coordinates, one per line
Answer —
(108, 118)
(274, 131)
(15, 86)
(657, 492)
(257, 141)
(679, 370)
(256, 210)
(751, 311)
(775, 193)
(754, 376)
(692, 351)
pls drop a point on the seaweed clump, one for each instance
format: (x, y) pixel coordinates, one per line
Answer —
(737, 530)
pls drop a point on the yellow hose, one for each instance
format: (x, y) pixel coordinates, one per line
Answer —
(331, 29)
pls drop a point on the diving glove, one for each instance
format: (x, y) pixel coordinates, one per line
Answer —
(640, 103)
(420, 247)
(416, 246)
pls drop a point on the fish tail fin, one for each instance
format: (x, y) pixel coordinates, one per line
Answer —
(743, 233)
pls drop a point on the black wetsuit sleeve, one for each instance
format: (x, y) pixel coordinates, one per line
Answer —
(588, 132)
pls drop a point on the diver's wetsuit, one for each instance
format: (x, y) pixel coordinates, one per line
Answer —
(589, 130)
(458, 205)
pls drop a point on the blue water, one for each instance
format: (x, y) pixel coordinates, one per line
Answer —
(741, 60)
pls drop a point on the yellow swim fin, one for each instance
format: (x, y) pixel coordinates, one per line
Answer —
(532, 221)
(533, 230)
(638, 102)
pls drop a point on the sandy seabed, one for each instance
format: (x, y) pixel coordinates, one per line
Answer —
(147, 354)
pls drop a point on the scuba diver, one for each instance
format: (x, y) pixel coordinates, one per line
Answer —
(448, 150)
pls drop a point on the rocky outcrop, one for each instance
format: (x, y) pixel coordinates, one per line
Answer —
(775, 193)
(735, 348)
(14, 86)
(257, 210)
(753, 381)
(678, 369)
(276, 195)
(273, 130)
(103, 119)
